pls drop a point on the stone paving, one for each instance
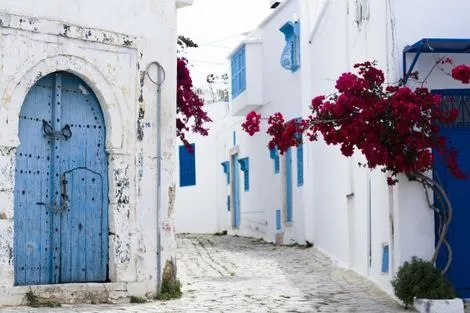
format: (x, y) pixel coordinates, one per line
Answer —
(234, 274)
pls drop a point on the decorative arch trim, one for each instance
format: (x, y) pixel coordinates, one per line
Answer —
(111, 104)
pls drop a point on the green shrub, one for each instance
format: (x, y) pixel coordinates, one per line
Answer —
(171, 289)
(135, 299)
(421, 279)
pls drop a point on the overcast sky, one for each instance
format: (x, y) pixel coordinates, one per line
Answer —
(217, 27)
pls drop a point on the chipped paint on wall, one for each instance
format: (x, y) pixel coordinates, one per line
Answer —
(171, 200)
(109, 57)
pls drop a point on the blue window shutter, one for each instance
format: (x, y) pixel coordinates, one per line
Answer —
(226, 166)
(238, 69)
(245, 167)
(274, 154)
(187, 160)
(385, 258)
(300, 165)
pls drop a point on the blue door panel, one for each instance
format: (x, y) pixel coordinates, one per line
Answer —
(32, 186)
(85, 164)
(236, 192)
(61, 129)
(458, 136)
(288, 185)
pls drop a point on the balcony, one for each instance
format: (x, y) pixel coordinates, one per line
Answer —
(246, 77)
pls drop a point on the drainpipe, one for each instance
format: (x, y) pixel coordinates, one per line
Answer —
(158, 83)
(318, 20)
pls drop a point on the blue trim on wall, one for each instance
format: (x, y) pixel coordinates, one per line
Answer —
(274, 155)
(290, 58)
(187, 164)
(234, 138)
(300, 165)
(238, 67)
(385, 258)
(245, 167)
(226, 166)
(289, 200)
(236, 192)
(278, 219)
(228, 203)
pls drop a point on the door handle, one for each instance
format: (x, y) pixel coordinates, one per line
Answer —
(49, 131)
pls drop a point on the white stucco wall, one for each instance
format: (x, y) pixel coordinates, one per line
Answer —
(354, 229)
(110, 52)
(280, 91)
(196, 206)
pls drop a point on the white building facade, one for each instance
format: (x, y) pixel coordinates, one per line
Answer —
(79, 158)
(313, 193)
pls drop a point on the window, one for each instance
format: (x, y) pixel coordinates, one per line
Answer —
(245, 167)
(187, 165)
(274, 154)
(238, 65)
(290, 58)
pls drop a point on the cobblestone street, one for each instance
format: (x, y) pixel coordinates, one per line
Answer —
(234, 274)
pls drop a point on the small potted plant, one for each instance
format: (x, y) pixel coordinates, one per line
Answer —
(418, 282)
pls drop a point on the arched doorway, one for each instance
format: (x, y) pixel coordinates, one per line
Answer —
(61, 185)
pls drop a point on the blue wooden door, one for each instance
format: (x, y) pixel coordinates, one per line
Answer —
(458, 136)
(288, 185)
(235, 192)
(61, 219)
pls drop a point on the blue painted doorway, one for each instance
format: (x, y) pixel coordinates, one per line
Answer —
(61, 185)
(235, 192)
(458, 135)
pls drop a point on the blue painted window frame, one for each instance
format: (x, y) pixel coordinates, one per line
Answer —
(187, 165)
(290, 58)
(238, 67)
(245, 167)
(274, 155)
(226, 166)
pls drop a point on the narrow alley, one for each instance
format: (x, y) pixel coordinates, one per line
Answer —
(235, 274)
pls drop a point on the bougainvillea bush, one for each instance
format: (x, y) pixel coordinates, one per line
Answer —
(394, 126)
(191, 116)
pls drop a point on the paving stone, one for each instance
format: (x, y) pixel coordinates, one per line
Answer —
(235, 274)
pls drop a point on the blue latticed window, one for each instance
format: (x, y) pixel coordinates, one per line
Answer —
(238, 66)
(290, 58)
(187, 160)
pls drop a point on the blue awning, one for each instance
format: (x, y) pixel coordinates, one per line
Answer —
(433, 45)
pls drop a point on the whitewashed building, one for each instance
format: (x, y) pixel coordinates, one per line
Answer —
(314, 193)
(87, 95)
